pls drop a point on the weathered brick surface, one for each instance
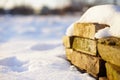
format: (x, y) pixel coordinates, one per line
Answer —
(87, 46)
(87, 30)
(69, 53)
(103, 78)
(113, 72)
(67, 41)
(90, 54)
(109, 50)
(89, 63)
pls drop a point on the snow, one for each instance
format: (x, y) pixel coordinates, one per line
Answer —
(103, 14)
(29, 64)
(30, 57)
(37, 27)
(103, 33)
(69, 30)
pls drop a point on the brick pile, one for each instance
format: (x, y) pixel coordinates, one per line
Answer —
(98, 57)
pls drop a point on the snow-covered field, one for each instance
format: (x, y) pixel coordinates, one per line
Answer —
(31, 49)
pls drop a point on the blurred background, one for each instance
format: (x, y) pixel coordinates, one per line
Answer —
(41, 19)
(45, 7)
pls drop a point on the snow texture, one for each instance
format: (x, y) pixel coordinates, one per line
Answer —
(103, 14)
(34, 27)
(29, 64)
(33, 59)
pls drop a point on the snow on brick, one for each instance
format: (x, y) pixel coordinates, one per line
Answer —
(103, 14)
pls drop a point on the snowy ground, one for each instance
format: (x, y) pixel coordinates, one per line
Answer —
(31, 49)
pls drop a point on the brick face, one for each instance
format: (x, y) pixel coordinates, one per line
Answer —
(87, 46)
(87, 30)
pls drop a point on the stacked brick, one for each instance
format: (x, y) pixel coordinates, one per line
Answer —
(109, 50)
(87, 53)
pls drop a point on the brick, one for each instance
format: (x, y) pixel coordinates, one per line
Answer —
(113, 72)
(103, 78)
(69, 53)
(84, 45)
(87, 30)
(109, 50)
(67, 41)
(93, 65)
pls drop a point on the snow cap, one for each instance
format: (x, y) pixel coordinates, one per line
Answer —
(103, 14)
